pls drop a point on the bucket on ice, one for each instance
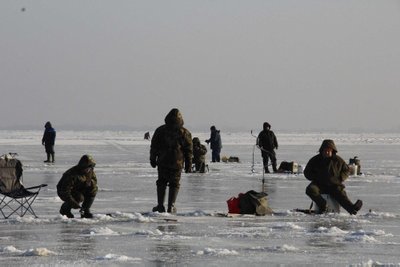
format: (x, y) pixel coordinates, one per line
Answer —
(353, 169)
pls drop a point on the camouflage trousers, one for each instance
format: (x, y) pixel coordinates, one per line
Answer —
(169, 177)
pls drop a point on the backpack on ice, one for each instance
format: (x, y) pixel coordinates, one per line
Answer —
(251, 202)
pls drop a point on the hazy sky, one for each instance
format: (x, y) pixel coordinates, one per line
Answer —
(300, 65)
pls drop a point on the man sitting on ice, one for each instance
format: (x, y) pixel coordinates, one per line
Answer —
(327, 172)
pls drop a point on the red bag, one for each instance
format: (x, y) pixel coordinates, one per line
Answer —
(233, 204)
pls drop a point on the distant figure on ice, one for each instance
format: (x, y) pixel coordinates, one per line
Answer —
(215, 144)
(356, 161)
(171, 149)
(327, 172)
(267, 142)
(147, 136)
(78, 185)
(48, 140)
(199, 155)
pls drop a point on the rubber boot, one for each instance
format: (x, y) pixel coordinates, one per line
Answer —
(357, 206)
(48, 158)
(317, 198)
(321, 203)
(314, 192)
(160, 199)
(85, 210)
(274, 167)
(341, 197)
(173, 194)
(66, 210)
(202, 167)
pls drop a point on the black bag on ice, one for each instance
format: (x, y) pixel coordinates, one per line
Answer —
(253, 202)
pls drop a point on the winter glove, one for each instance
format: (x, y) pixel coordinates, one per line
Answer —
(153, 163)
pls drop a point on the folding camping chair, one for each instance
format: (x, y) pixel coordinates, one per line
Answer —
(14, 197)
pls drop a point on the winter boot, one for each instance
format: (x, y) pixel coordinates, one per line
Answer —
(274, 167)
(322, 208)
(173, 194)
(321, 204)
(66, 210)
(85, 210)
(160, 199)
(48, 158)
(202, 167)
(357, 206)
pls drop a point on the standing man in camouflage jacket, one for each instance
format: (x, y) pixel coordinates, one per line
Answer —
(327, 173)
(77, 185)
(171, 150)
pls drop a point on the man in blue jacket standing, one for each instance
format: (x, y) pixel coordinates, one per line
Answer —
(215, 144)
(48, 140)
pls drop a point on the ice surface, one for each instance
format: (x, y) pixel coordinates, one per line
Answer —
(121, 235)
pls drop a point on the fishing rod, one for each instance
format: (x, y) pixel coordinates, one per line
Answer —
(252, 165)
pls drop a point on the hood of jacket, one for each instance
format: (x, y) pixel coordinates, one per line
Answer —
(328, 143)
(266, 126)
(174, 118)
(196, 140)
(86, 161)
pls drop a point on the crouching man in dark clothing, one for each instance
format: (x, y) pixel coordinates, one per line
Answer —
(327, 172)
(171, 149)
(199, 155)
(78, 185)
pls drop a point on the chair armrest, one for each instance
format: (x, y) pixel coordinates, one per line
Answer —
(38, 186)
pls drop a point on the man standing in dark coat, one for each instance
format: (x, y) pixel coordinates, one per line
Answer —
(327, 172)
(78, 185)
(171, 150)
(215, 144)
(48, 140)
(267, 142)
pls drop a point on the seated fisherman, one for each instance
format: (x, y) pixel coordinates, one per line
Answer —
(327, 172)
(199, 155)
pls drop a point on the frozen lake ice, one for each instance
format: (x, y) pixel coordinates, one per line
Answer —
(197, 237)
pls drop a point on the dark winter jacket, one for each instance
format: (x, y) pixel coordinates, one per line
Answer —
(267, 140)
(171, 145)
(76, 180)
(49, 135)
(215, 140)
(199, 151)
(327, 171)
